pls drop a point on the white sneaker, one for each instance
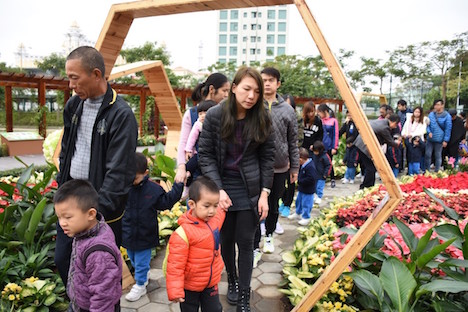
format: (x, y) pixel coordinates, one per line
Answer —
(262, 229)
(345, 181)
(279, 229)
(136, 292)
(304, 221)
(318, 200)
(294, 216)
(268, 244)
(351, 181)
(359, 175)
(257, 255)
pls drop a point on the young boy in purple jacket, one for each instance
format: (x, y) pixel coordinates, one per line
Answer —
(96, 265)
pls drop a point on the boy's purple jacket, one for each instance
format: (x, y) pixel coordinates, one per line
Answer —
(95, 286)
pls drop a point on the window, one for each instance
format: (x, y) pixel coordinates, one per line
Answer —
(244, 51)
(232, 51)
(259, 14)
(222, 61)
(222, 38)
(245, 14)
(234, 14)
(222, 51)
(281, 50)
(234, 61)
(271, 26)
(282, 14)
(244, 27)
(234, 26)
(282, 39)
(270, 51)
(259, 26)
(258, 51)
(253, 39)
(270, 38)
(222, 26)
(252, 51)
(244, 39)
(271, 14)
(259, 39)
(254, 14)
(253, 26)
(223, 14)
(282, 26)
(233, 38)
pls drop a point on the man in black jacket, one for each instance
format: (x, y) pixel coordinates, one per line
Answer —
(457, 135)
(98, 144)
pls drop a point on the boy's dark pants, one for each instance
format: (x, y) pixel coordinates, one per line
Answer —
(208, 299)
(63, 248)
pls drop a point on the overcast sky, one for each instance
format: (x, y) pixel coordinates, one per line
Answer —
(368, 27)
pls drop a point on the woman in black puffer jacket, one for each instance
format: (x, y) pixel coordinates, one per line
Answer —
(236, 150)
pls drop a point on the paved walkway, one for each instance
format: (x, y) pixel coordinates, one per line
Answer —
(265, 278)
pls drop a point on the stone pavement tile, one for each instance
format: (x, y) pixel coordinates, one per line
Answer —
(222, 288)
(255, 284)
(152, 286)
(271, 305)
(270, 278)
(257, 271)
(152, 307)
(155, 274)
(127, 310)
(133, 305)
(159, 296)
(271, 267)
(272, 257)
(174, 307)
(270, 292)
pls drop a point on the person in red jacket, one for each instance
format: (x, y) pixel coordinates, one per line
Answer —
(194, 263)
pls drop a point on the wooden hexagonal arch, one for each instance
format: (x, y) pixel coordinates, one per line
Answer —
(111, 39)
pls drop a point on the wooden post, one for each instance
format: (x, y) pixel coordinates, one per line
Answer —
(142, 111)
(41, 96)
(156, 121)
(372, 224)
(9, 109)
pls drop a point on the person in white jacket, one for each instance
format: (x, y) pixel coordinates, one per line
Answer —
(415, 126)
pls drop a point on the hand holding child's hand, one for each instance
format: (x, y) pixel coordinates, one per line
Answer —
(224, 200)
(178, 300)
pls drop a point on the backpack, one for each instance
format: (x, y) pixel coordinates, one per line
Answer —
(98, 247)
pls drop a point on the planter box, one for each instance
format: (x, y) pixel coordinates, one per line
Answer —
(22, 143)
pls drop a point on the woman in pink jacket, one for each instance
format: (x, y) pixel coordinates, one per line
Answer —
(330, 135)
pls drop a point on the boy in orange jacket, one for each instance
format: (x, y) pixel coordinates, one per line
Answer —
(194, 263)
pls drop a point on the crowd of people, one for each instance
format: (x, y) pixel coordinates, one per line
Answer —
(242, 151)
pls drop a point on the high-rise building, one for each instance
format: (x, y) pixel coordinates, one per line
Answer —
(252, 34)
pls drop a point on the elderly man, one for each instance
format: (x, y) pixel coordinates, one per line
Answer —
(98, 144)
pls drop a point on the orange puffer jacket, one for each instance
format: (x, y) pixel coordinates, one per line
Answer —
(194, 262)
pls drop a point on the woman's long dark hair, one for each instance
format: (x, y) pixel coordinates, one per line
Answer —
(257, 125)
(421, 115)
(308, 107)
(217, 80)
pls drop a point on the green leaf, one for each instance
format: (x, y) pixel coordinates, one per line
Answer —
(50, 300)
(34, 222)
(449, 211)
(445, 286)
(447, 231)
(369, 284)
(456, 275)
(24, 178)
(428, 256)
(24, 222)
(408, 236)
(7, 188)
(423, 242)
(465, 243)
(459, 263)
(398, 283)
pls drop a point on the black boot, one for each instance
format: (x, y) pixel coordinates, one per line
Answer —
(243, 303)
(233, 289)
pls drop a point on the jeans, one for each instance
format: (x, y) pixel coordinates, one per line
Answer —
(437, 149)
(141, 262)
(413, 168)
(319, 188)
(395, 171)
(304, 204)
(208, 299)
(350, 173)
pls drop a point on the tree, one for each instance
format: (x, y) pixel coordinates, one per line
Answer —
(54, 63)
(228, 69)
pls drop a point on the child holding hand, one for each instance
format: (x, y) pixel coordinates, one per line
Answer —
(194, 263)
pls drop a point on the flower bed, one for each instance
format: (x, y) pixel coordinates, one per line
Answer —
(424, 243)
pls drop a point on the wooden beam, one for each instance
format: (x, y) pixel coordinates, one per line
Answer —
(9, 109)
(372, 224)
(142, 111)
(41, 96)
